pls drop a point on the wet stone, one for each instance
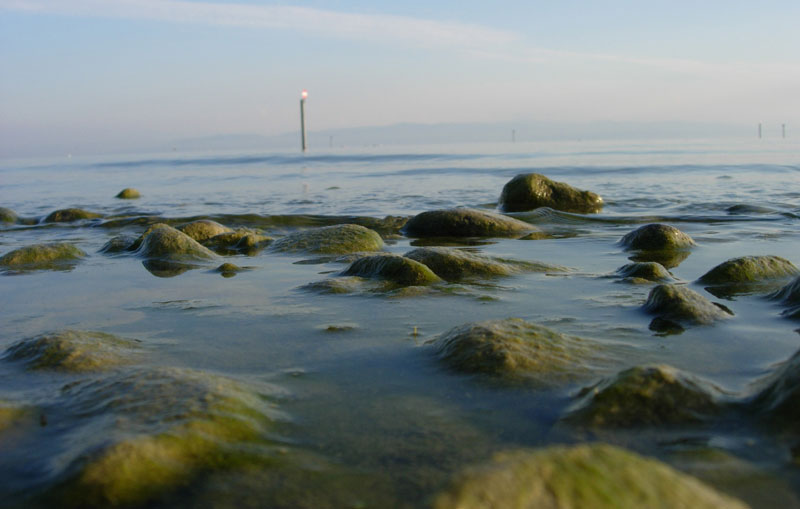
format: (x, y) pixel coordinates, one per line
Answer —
(789, 296)
(56, 256)
(647, 396)
(164, 242)
(73, 351)
(336, 239)
(644, 272)
(516, 350)
(243, 240)
(533, 190)
(228, 269)
(465, 222)
(778, 402)
(591, 475)
(70, 215)
(656, 237)
(684, 306)
(8, 215)
(395, 269)
(128, 193)
(457, 264)
(203, 229)
(746, 269)
(118, 244)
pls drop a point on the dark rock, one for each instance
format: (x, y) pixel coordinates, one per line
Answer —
(70, 215)
(457, 264)
(395, 269)
(464, 222)
(532, 190)
(118, 244)
(164, 242)
(684, 306)
(778, 402)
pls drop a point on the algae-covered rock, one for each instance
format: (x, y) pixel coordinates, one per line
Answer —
(394, 269)
(335, 286)
(336, 239)
(73, 351)
(532, 190)
(456, 264)
(778, 401)
(647, 396)
(243, 240)
(128, 193)
(465, 222)
(70, 215)
(164, 242)
(591, 475)
(8, 215)
(746, 269)
(656, 237)
(644, 271)
(55, 256)
(789, 296)
(157, 430)
(682, 305)
(516, 350)
(228, 269)
(118, 244)
(12, 414)
(203, 229)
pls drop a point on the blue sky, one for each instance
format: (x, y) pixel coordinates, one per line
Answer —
(76, 74)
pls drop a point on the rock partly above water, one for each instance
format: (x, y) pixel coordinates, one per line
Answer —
(779, 400)
(119, 244)
(647, 396)
(516, 350)
(593, 475)
(789, 296)
(465, 222)
(155, 431)
(746, 269)
(73, 351)
(70, 215)
(336, 239)
(203, 229)
(395, 269)
(57, 256)
(163, 242)
(679, 305)
(457, 264)
(241, 241)
(128, 193)
(8, 215)
(228, 269)
(656, 237)
(532, 190)
(646, 272)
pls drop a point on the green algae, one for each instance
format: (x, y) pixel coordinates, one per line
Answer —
(647, 272)
(228, 269)
(336, 239)
(73, 351)
(241, 241)
(70, 215)
(647, 396)
(749, 269)
(458, 264)
(203, 229)
(54, 256)
(683, 306)
(592, 475)
(465, 222)
(8, 215)
(533, 190)
(395, 269)
(516, 350)
(164, 242)
(128, 193)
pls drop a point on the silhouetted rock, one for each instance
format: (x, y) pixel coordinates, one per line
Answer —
(684, 306)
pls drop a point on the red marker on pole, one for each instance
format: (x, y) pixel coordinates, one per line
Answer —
(303, 96)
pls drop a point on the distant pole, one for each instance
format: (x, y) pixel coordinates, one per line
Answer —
(303, 119)
(759, 130)
(783, 130)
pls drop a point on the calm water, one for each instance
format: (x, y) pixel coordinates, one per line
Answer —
(369, 417)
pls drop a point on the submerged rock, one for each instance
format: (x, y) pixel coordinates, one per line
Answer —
(157, 430)
(395, 269)
(243, 241)
(683, 306)
(647, 396)
(73, 351)
(533, 190)
(746, 269)
(456, 264)
(645, 272)
(335, 286)
(128, 193)
(164, 242)
(789, 296)
(118, 244)
(656, 237)
(336, 239)
(56, 256)
(203, 229)
(779, 400)
(590, 475)
(69, 215)
(8, 215)
(464, 222)
(516, 350)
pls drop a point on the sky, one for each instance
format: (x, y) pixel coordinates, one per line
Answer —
(97, 75)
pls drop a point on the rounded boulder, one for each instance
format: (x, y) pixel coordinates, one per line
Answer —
(533, 190)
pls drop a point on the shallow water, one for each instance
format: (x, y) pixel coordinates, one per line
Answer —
(370, 417)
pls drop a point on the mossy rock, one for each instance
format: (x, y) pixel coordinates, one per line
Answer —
(748, 269)
(8, 215)
(56, 256)
(647, 396)
(465, 222)
(395, 269)
(203, 229)
(778, 402)
(70, 215)
(533, 190)
(336, 239)
(656, 237)
(228, 269)
(128, 193)
(684, 306)
(644, 271)
(163, 242)
(590, 475)
(118, 244)
(789, 296)
(73, 351)
(457, 264)
(335, 286)
(516, 350)
(164, 428)
(243, 240)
